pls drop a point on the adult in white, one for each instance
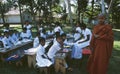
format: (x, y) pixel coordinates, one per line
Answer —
(85, 41)
(77, 34)
(28, 27)
(41, 58)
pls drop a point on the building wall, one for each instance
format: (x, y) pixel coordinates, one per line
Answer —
(11, 19)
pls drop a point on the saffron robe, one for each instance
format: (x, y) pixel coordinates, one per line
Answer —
(101, 49)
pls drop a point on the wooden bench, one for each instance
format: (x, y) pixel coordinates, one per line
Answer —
(60, 65)
(86, 51)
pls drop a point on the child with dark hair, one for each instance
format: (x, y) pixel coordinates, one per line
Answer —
(36, 40)
(6, 41)
(43, 34)
(50, 33)
(77, 33)
(24, 34)
(65, 41)
(41, 57)
(57, 46)
(58, 28)
(28, 27)
(83, 42)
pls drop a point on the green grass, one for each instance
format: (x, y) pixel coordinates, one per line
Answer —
(114, 64)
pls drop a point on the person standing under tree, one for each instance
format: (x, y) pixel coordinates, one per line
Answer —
(101, 45)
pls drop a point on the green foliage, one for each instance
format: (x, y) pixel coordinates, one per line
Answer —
(115, 15)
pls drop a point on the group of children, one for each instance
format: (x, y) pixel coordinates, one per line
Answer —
(82, 36)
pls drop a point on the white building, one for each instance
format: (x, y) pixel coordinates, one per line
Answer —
(13, 17)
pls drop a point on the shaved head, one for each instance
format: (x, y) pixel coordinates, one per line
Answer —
(101, 15)
(101, 18)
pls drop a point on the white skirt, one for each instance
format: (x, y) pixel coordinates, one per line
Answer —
(77, 50)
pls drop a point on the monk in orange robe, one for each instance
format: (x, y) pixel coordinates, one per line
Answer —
(101, 45)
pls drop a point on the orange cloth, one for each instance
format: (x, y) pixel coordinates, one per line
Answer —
(101, 49)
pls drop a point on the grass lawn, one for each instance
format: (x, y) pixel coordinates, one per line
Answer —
(114, 65)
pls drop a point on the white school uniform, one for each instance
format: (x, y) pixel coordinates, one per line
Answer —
(53, 50)
(24, 35)
(28, 26)
(67, 43)
(29, 33)
(58, 29)
(77, 49)
(15, 38)
(6, 30)
(1, 38)
(36, 42)
(28, 29)
(77, 35)
(6, 42)
(43, 35)
(11, 40)
(42, 62)
(50, 33)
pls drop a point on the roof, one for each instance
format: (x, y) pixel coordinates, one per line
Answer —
(13, 12)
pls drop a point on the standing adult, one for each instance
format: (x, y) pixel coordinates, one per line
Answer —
(28, 27)
(101, 45)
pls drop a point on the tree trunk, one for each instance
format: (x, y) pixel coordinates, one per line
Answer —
(33, 14)
(70, 16)
(78, 17)
(20, 10)
(2, 14)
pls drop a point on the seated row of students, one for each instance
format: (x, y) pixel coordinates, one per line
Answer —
(51, 31)
(82, 42)
(11, 37)
(8, 39)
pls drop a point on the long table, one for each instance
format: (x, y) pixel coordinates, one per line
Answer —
(5, 52)
(15, 47)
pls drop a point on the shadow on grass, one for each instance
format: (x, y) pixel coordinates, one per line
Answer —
(114, 64)
(116, 35)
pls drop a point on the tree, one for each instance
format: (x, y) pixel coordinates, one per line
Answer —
(4, 7)
(115, 13)
(82, 4)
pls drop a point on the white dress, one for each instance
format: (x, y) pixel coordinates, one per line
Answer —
(6, 42)
(77, 35)
(42, 62)
(77, 48)
(53, 50)
(36, 42)
(28, 29)
(58, 29)
(24, 35)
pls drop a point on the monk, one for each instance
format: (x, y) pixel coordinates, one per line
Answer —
(101, 45)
